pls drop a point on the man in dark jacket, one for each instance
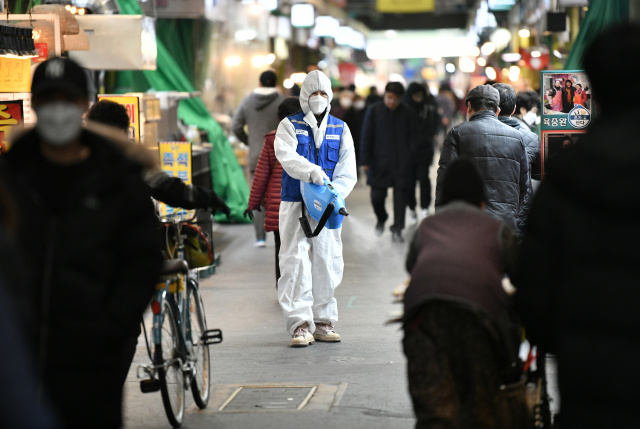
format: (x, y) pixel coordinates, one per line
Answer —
(389, 136)
(531, 145)
(496, 149)
(578, 290)
(426, 108)
(89, 234)
(259, 112)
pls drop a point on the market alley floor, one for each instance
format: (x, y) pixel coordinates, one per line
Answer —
(357, 383)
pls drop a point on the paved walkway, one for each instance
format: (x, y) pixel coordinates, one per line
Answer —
(360, 382)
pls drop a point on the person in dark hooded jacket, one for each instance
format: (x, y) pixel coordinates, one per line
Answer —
(259, 112)
(577, 289)
(426, 108)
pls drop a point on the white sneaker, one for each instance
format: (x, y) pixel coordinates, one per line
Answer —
(260, 243)
(302, 337)
(326, 332)
(413, 217)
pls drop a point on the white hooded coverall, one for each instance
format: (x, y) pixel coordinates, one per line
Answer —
(310, 268)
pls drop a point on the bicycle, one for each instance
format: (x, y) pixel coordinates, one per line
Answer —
(180, 348)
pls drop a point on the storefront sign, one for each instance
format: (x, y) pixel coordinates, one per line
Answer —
(132, 104)
(566, 111)
(10, 117)
(405, 6)
(175, 160)
(15, 74)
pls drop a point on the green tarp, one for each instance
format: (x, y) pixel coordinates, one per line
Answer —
(601, 15)
(177, 74)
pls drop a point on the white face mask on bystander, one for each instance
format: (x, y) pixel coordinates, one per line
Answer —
(59, 123)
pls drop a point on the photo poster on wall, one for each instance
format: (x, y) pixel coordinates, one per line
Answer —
(566, 111)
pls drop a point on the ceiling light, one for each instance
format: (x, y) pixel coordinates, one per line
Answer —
(488, 48)
(491, 73)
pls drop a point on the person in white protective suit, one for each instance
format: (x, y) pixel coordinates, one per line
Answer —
(312, 146)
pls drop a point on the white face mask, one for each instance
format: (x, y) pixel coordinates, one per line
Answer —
(530, 117)
(59, 123)
(359, 105)
(318, 104)
(345, 102)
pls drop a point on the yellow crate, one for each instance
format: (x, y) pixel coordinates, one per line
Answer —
(176, 284)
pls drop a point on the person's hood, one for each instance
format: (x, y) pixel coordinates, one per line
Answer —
(315, 81)
(261, 99)
(509, 121)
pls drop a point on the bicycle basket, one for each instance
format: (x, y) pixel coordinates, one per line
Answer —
(197, 250)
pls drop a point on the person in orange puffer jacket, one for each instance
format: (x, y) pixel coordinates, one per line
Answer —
(267, 180)
(580, 97)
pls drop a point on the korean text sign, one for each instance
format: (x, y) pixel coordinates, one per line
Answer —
(11, 115)
(175, 160)
(566, 111)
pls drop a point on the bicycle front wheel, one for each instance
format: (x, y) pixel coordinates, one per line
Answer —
(201, 383)
(170, 368)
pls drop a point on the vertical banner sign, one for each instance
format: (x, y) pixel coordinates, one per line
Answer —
(11, 115)
(175, 160)
(566, 111)
(132, 104)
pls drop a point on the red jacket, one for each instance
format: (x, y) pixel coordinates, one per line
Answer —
(266, 185)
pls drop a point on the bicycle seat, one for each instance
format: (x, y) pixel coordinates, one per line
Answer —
(172, 266)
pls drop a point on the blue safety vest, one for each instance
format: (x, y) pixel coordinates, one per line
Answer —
(326, 156)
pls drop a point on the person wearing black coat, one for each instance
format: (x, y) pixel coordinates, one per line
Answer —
(426, 108)
(577, 288)
(531, 146)
(497, 150)
(88, 230)
(567, 96)
(389, 138)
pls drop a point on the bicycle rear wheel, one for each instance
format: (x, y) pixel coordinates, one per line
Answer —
(201, 383)
(170, 372)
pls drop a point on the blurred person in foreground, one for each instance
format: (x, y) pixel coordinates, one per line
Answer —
(497, 150)
(426, 108)
(312, 146)
(460, 340)
(21, 406)
(389, 141)
(577, 289)
(259, 112)
(88, 230)
(531, 146)
(267, 181)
